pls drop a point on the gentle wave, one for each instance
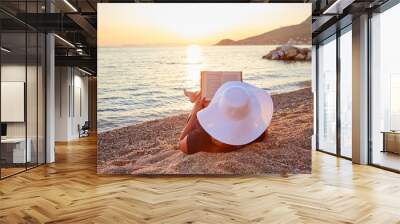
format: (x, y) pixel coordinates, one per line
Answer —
(141, 84)
(288, 87)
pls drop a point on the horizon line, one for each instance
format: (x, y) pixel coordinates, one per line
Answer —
(200, 45)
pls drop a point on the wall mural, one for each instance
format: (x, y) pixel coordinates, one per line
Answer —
(219, 89)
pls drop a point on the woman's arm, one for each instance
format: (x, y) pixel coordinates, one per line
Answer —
(191, 95)
(189, 126)
(198, 105)
(183, 137)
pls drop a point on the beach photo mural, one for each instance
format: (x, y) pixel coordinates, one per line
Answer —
(197, 89)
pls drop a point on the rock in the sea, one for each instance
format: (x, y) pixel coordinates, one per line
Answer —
(289, 53)
(267, 56)
(299, 57)
(305, 51)
(308, 57)
(281, 53)
(275, 56)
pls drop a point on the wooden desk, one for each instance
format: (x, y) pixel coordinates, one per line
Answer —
(391, 141)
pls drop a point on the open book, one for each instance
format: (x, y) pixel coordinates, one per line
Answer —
(212, 80)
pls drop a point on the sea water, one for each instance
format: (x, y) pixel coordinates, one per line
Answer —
(137, 84)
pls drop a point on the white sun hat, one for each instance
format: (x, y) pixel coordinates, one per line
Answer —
(238, 113)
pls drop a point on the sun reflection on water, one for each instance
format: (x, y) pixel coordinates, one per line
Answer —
(194, 62)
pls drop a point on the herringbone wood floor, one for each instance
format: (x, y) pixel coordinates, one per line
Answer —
(69, 191)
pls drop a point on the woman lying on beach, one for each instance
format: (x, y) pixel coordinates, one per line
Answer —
(238, 114)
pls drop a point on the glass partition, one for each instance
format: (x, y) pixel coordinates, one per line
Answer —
(23, 89)
(13, 94)
(327, 96)
(385, 89)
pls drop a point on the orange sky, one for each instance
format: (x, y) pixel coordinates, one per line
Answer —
(122, 24)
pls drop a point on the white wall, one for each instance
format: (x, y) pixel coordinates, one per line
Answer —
(82, 82)
(70, 83)
(62, 82)
(11, 73)
(33, 126)
(14, 73)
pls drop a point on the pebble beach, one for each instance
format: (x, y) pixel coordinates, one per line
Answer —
(150, 148)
